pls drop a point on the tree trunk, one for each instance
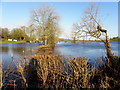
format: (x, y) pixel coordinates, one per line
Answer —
(108, 48)
(74, 40)
(46, 40)
(107, 43)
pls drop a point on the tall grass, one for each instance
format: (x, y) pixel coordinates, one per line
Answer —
(57, 71)
(109, 73)
(51, 71)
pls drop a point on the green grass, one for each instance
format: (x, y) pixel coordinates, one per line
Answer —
(115, 40)
(10, 42)
(63, 39)
(112, 40)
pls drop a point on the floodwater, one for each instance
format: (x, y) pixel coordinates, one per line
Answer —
(12, 52)
(88, 49)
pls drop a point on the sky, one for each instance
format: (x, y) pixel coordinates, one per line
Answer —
(16, 14)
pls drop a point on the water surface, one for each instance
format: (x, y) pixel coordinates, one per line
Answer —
(14, 52)
(91, 49)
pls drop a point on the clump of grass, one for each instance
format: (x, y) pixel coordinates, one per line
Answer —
(57, 71)
(50, 70)
(80, 73)
(45, 50)
(108, 74)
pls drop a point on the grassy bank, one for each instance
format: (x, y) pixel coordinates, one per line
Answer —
(10, 42)
(115, 40)
(112, 40)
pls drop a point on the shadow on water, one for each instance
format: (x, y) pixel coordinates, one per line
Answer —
(31, 71)
(13, 78)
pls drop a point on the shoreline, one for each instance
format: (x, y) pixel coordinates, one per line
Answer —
(17, 42)
(11, 42)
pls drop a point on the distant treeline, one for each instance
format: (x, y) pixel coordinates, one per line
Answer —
(115, 39)
(15, 34)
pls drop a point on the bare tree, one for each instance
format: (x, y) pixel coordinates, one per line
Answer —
(46, 20)
(76, 33)
(90, 27)
(32, 32)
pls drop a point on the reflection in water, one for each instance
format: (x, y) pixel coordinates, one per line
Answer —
(15, 51)
(5, 49)
(18, 50)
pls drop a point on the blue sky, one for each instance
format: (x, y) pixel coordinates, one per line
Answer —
(16, 14)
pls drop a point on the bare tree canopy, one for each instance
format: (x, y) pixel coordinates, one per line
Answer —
(46, 20)
(90, 27)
